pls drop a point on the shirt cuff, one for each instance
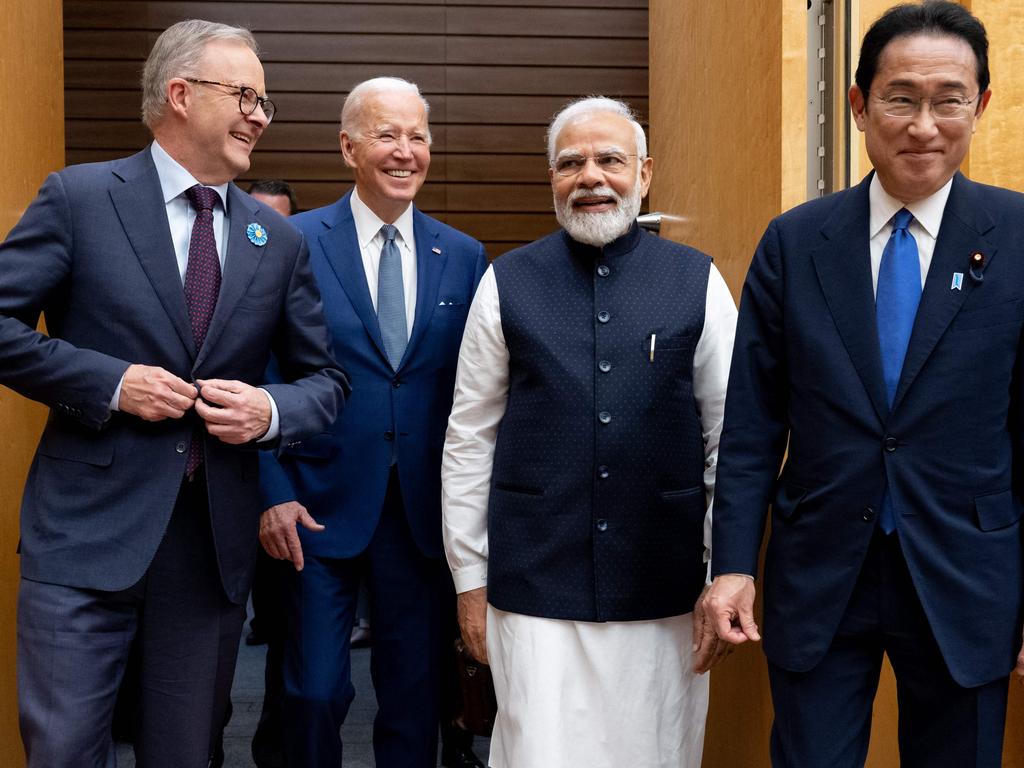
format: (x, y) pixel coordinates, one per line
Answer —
(116, 399)
(275, 420)
(470, 577)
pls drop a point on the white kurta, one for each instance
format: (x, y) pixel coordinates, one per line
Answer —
(570, 694)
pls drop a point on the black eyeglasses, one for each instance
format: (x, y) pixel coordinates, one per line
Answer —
(248, 99)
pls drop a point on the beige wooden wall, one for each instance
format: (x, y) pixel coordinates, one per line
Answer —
(728, 135)
(31, 144)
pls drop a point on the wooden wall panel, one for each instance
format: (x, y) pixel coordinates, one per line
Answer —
(494, 73)
(31, 145)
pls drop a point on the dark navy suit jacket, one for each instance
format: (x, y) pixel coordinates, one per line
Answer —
(807, 367)
(94, 252)
(341, 475)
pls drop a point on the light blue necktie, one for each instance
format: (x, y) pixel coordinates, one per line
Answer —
(391, 299)
(896, 300)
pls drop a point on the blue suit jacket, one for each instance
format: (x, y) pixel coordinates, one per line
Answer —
(94, 252)
(807, 366)
(341, 476)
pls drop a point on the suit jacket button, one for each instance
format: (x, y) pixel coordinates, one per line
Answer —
(868, 514)
(389, 435)
(890, 444)
(602, 525)
(181, 447)
(396, 383)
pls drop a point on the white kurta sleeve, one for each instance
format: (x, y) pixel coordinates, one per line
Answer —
(481, 393)
(710, 377)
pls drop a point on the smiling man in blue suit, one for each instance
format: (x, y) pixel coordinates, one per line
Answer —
(880, 336)
(361, 502)
(165, 290)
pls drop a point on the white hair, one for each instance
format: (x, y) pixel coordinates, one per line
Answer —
(355, 102)
(592, 105)
(177, 53)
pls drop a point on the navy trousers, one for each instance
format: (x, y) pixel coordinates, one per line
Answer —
(406, 595)
(823, 716)
(73, 645)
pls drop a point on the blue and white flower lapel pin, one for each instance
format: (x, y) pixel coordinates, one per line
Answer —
(257, 234)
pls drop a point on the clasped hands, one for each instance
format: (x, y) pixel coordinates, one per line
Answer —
(233, 411)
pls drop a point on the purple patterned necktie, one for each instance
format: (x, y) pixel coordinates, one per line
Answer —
(202, 286)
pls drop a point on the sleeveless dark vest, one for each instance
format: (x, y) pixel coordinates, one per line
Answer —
(597, 499)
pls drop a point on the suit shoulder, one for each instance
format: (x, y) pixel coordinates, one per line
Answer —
(455, 240)
(999, 199)
(309, 221)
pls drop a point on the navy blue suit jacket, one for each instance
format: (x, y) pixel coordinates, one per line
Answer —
(807, 367)
(94, 252)
(341, 475)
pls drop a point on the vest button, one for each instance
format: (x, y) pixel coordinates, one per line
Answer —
(181, 447)
(603, 270)
(389, 435)
(603, 316)
(604, 417)
(867, 515)
(604, 366)
(603, 472)
(602, 525)
(890, 444)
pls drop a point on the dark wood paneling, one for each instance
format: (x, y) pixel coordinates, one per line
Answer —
(494, 71)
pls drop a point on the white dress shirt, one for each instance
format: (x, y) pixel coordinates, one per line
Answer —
(927, 215)
(371, 241)
(181, 216)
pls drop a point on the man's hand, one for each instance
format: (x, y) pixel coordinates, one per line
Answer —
(153, 394)
(473, 622)
(708, 648)
(1019, 669)
(279, 533)
(243, 415)
(729, 608)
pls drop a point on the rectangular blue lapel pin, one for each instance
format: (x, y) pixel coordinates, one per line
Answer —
(958, 281)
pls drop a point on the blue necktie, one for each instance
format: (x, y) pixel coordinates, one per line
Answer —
(391, 299)
(896, 300)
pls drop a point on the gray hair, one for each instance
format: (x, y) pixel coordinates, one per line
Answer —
(176, 53)
(592, 105)
(355, 102)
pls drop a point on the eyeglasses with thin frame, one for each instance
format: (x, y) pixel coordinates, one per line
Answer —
(608, 162)
(949, 107)
(248, 99)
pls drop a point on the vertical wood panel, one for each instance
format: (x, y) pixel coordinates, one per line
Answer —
(494, 72)
(31, 138)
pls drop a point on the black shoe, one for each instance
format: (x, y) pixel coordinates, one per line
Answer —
(254, 638)
(460, 757)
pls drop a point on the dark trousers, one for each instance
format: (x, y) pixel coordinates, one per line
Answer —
(270, 621)
(73, 645)
(823, 716)
(405, 613)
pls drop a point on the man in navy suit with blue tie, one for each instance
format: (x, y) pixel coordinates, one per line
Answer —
(165, 289)
(361, 502)
(880, 339)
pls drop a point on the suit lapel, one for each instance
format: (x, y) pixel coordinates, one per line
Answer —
(963, 229)
(140, 206)
(429, 266)
(340, 246)
(843, 266)
(241, 260)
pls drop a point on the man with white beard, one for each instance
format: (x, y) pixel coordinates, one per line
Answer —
(579, 468)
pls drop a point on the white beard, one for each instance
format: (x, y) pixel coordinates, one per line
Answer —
(599, 229)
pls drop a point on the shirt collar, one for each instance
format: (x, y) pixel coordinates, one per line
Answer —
(927, 212)
(368, 223)
(174, 179)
